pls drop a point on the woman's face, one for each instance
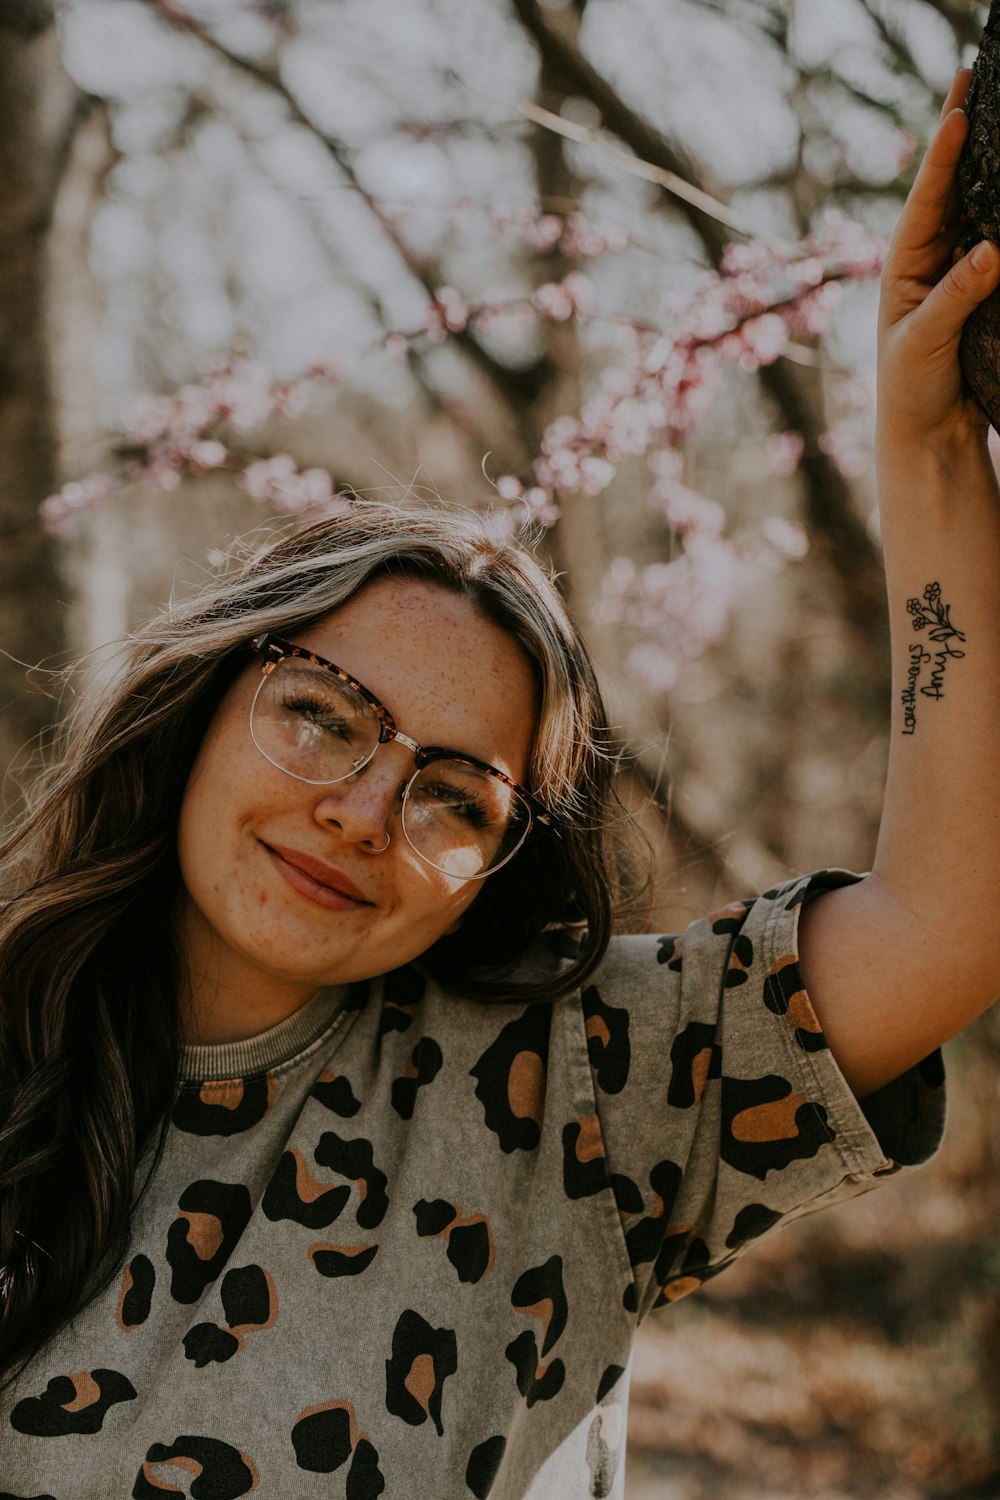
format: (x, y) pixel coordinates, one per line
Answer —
(259, 935)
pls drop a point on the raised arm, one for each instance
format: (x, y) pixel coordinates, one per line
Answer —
(898, 963)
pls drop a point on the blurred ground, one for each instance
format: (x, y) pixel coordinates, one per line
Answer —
(853, 1354)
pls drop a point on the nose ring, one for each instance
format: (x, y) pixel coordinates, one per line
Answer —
(383, 847)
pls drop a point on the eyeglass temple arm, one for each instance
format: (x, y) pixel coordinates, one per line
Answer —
(265, 645)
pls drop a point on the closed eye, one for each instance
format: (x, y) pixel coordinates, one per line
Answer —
(459, 802)
(318, 713)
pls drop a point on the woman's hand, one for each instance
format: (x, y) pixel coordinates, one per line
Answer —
(925, 302)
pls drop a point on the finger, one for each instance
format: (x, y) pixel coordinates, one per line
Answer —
(940, 317)
(925, 208)
(958, 93)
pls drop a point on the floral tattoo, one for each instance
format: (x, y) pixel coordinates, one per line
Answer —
(929, 614)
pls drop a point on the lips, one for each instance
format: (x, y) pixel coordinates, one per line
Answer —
(324, 877)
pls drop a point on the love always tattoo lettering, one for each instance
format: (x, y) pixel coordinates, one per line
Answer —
(930, 615)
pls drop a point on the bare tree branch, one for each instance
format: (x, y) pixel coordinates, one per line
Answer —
(369, 295)
(578, 544)
(670, 182)
(642, 138)
(513, 385)
(851, 550)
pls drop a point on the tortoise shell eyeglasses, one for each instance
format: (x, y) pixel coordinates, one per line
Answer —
(315, 721)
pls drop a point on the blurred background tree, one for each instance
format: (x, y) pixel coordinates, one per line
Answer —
(611, 266)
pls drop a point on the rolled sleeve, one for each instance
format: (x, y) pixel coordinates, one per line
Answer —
(722, 1110)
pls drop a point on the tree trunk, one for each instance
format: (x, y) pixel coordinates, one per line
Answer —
(37, 110)
(979, 177)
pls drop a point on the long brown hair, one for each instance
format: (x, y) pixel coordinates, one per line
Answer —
(89, 977)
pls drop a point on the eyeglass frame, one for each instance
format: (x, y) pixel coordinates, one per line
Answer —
(274, 649)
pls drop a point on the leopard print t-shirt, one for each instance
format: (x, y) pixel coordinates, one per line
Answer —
(400, 1244)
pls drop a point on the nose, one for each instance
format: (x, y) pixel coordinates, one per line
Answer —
(366, 805)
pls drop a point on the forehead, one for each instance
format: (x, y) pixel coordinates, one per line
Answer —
(448, 675)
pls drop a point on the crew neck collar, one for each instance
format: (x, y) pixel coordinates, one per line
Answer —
(268, 1049)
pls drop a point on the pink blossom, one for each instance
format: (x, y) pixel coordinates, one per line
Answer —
(811, 271)
(279, 481)
(765, 338)
(858, 392)
(433, 325)
(326, 370)
(784, 452)
(317, 485)
(681, 607)
(193, 408)
(501, 524)
(581, 241)
(504, 322)
(843, 445)
(289, 401)
(396, 347)
(540, 507)
(732, 349)
(906, 150)
(667, 463)
(75, 496)
(580, 289)
(148, 419)
(553, 300)
(452, 308)
(258, 479)
(654, 360)
(739, 257)
(687, 512)
(747, 294)
(209, 453)
(164, 468)
(858, 251)
(544, 233)
(630, 427)
(595, 475)
(813, 313)
(788, 538)
(509, 488)
(244, 395)
(653, 667)
(560, 431)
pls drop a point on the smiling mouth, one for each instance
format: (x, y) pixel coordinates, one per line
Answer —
(315, 881)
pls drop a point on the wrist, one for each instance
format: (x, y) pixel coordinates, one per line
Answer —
(947, 472)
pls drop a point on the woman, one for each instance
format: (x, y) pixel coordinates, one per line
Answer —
(332, 1163)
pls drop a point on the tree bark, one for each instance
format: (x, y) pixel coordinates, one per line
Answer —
(37, 119)
(979, 178)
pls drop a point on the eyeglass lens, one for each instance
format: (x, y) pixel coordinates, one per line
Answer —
(461, 820)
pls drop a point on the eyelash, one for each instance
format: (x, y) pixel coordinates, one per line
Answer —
(313, 709)
(317, 711)
(470, 809)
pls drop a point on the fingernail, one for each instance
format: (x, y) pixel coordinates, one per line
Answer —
(983, 256)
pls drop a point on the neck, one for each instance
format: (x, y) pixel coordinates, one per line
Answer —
(225, 997)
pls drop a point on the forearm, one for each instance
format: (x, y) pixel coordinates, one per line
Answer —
(899, 962)
(939, 840)
(902, 961)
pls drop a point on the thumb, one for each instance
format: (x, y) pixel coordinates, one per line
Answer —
(969, 282)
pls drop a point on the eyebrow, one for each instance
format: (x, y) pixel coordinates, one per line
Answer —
(275, 648)
(314, 659)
